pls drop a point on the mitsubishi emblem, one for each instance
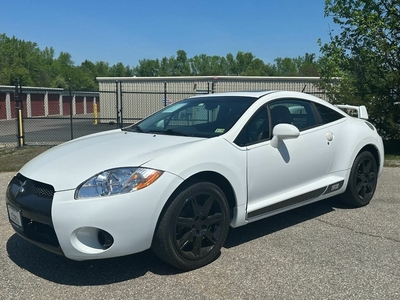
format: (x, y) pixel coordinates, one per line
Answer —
(22, 187)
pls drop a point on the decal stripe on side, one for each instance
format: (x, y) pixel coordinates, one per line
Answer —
(334, 187)
(288, 202)
(307, 196)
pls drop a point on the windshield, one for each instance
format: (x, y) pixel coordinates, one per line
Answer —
(199, 117)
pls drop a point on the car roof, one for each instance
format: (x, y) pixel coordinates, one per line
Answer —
(252, 94)
(275, 94)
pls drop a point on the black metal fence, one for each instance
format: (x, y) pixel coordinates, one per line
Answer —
(131, 105)
(49, 116)
(39, 116)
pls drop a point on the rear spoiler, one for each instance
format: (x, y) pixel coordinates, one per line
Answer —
(361, 110)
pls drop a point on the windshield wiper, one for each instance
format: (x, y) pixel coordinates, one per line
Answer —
(138, 128)
(175, 132)
(169, 132)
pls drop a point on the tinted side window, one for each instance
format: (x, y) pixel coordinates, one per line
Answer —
(257, 129)
(327, 115)
(299, 113)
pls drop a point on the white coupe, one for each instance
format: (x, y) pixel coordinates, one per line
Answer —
(176, 181)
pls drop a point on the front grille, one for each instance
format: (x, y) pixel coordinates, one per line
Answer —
(43, 190)
(35, 200)
(22, 186)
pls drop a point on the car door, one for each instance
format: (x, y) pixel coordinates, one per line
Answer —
(293, 172)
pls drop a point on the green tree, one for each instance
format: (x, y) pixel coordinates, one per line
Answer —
(35, 67)
(286, 66)
(204, 65)
(307, 66)
(44, 70)
(232, 68)
(243, 62)
(166, 66)
(217, 65)
(19, 60)
(182, 66)
(63, 68)
(173, 66)
(147, 68)
(118, 70)
(101, 69)
(255, 68)
(366, 56)
(87, 76)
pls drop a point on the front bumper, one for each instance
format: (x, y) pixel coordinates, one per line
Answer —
(72, 227)
(33, 201)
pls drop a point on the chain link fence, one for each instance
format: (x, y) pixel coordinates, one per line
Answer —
(48, 116)
(44, 116)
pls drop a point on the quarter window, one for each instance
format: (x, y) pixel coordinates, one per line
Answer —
(327, 115)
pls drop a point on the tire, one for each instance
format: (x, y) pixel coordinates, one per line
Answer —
(362, 181)
(193, 228)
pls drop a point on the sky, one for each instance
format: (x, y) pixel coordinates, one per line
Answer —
(128, 31)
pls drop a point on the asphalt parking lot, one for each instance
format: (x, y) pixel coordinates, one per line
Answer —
(321, 251)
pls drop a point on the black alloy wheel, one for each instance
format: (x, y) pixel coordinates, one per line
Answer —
(193, 228)
(362, 180)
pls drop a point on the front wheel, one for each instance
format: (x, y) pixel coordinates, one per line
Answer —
(193, 228)
(362, 181)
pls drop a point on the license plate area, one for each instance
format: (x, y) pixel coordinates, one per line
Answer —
(14, 214)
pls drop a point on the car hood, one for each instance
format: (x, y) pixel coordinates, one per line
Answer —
(68, 165)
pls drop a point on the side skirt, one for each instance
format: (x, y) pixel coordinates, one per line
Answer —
(298, 200)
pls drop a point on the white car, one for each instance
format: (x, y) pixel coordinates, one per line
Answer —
(176, 181)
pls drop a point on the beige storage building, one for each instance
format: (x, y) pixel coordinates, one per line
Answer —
(133, 98)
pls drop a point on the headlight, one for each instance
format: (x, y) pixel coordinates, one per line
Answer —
(117, 181)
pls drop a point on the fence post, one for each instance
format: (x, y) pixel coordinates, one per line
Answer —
(18, 106)
(120, 97)
(96, 116)
(70, 110)
(116, 102)
(165, 93)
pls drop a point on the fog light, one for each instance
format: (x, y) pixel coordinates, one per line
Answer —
(105, 239)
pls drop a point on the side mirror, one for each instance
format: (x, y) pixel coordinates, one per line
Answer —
(282, 132)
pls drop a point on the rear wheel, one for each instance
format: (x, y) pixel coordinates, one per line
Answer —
(193, 228)
(362, 181)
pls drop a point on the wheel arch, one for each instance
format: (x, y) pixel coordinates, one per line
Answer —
(361, 186)
(204, 176)
(220, 181)
(374, 151)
